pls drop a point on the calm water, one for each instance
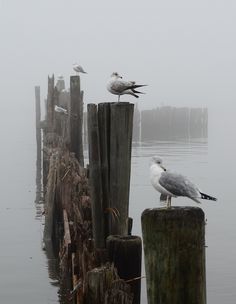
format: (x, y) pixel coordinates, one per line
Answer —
(25, 274)
(211, 165)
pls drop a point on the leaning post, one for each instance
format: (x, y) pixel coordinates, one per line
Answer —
(174, 250)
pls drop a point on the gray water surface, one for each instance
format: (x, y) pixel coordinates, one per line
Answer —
(211, 165)
(25, 276)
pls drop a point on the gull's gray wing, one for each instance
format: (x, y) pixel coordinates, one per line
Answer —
(178, 185)
(120, 85)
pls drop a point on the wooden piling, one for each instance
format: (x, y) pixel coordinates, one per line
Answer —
(50, 200)
(95, 177)
(50, 104)
(76, 119)
(105, 287)
(174, 248)
(39, 145)
(104, 141)
(126, 254)
(121, 126)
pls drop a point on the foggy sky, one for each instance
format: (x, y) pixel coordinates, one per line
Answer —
(184, 50)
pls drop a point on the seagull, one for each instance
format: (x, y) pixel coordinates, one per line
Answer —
(60, 110)
(120, 87)
(78, 68)
(171, 184)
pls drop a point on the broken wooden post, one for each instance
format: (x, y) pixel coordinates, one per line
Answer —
(121, 126)
(76, 119)
(174, 249)
(126, 254)
(39, 143)
(104, 287)
(95, 177)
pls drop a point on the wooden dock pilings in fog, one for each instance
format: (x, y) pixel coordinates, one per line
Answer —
(86, 209)
(174, 248)
(78, 218)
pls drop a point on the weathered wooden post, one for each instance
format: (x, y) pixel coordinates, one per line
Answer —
(104, 141)
(39, 143)
(174, 248)
(50, 105)
(121, 126)
(76, 119)
(95, 177)
(126, 254)
(105, 287)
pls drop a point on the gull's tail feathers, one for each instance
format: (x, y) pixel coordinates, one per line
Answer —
(131, 93)
(207, 197)
(138, 92)
(135, 86)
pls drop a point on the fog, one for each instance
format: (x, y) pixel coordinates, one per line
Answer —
(184, 50)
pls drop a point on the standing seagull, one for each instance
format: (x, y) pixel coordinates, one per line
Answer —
(120, 87)
(172, 184)
(78, 68)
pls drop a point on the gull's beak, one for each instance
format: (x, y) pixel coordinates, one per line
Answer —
(163, 167)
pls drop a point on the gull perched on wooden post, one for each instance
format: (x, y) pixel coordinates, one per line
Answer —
(78, 69)
(171, 184)
(60, 110)
(120, 87)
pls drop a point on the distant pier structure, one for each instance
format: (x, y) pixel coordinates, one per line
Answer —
(170, 123)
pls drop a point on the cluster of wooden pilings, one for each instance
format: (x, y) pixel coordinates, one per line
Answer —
(87, 218)
(86, 209)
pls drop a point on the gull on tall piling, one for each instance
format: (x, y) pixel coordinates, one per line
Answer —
(171, 184)
(78, 69)
(117, 86)
(60, 110)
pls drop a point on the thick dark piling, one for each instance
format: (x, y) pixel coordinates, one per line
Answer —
(109, 141)
(174, 248)
(126, 254)
(95, 177)
(104, 141)
(121, 126)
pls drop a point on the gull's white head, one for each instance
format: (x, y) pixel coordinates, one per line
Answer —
(157, 161)
(115, 75)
